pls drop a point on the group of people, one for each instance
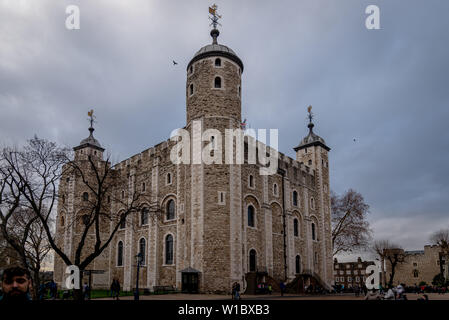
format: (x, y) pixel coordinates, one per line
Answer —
(264, 288)
(16, 285)
(392, 293)
(49, 288)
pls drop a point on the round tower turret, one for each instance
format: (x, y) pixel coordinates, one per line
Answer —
(213, 86)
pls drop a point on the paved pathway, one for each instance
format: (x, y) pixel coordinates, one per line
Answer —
(182, 296)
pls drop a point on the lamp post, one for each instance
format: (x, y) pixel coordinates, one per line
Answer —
(139, 258)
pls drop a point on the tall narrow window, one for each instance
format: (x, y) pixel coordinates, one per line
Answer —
(295, 198)
(191, 89)
(295, 227)
(313, 232)
(251, 181)
(251, 217)
(168, 178)
(144, 187)
(218, 62)
(144, 216)
(85, 196)
(298, 264)
(62, 221)
(252, 260)
(123, 223)
(275, 189)
(217, 82)
(142, 249)
(170, 210)
(120, 254)
(169, 249)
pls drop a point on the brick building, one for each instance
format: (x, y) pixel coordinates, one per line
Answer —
(219, 223)
(350, 274)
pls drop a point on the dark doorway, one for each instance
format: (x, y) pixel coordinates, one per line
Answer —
(190, 282)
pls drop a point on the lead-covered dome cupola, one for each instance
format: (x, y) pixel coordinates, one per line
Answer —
(215, 49)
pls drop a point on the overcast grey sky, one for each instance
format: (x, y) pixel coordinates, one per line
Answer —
(387, 88)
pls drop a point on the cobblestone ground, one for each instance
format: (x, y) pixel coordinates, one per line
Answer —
(181, 296)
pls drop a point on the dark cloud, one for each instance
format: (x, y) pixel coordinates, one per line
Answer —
(386, 88)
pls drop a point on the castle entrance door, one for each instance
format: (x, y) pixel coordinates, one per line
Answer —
(190, 280)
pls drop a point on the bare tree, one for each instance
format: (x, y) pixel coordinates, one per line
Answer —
(441, 238)
(350, 228)
(392, 254)
(36, 172)
(20, 228)
(379, 247)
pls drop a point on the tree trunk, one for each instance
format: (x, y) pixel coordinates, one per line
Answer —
(393, 266)
(36, 284)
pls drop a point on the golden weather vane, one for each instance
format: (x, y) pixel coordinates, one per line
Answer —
(215, 16)
(91, 116)
(310, 116)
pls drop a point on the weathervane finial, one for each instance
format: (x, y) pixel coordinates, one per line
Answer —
(310, 116)
(214, 17)
(92, 120)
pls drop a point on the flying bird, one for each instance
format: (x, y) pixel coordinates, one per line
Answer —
(174, 63)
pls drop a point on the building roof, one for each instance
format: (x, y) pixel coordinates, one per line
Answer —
(216, 49)
(90, 141)
(311, 139)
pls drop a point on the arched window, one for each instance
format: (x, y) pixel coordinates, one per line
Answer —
(275, 189)
(218, 62)
(142, 249)
(191, 89)
(295, 198)
(310, 162)
(252, 260)
(298, 264)
(313, 232)
(144, 216)
(251, 217)
(62, 221)
(415, 273)
(217, 82)
(240, 91)
(120, 254)
(169, 249)
(85, 196)
(295, 228)
(170, 210)
(312, 203)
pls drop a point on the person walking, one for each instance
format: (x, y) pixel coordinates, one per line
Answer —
(115, 289)
(237, 291)
(282, 286)
(234, 286)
